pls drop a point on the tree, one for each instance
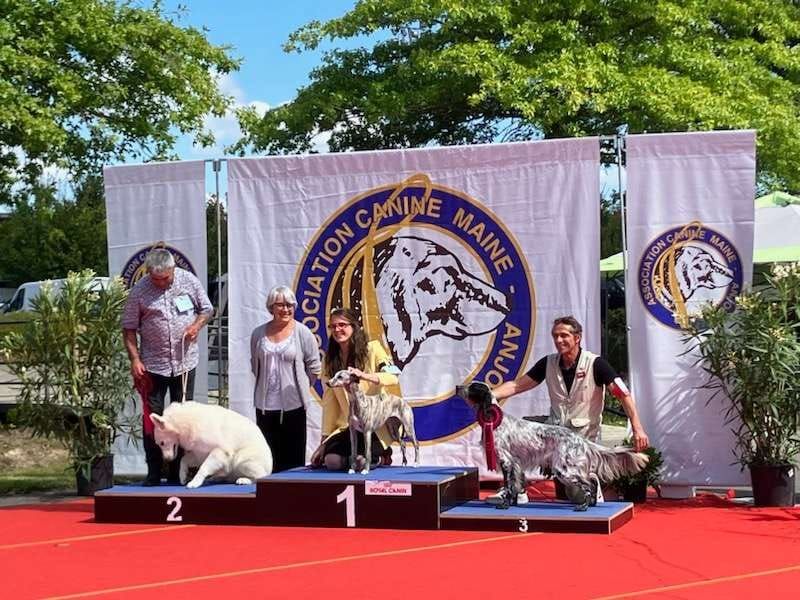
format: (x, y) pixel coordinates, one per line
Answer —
(48, 237)
(86, 82)
(468, 71)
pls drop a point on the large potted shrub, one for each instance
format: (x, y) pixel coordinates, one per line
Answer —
(752, 356)
(75, 377)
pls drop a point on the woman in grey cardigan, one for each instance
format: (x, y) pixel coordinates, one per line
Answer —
(284, 358)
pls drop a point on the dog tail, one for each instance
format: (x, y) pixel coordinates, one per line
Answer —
(611, 463)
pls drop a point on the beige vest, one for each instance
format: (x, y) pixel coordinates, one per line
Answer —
(582, 409)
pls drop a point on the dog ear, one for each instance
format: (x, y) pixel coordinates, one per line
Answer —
(158, 421)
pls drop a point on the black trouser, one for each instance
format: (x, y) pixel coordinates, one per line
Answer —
(286, 436)
(155, 400)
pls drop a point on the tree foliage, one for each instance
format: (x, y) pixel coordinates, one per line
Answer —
(85, 82)
(468, 71)
(49, 237)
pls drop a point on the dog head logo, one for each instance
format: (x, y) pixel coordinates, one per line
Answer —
(685, 268)
(437, 278)
(134, 269)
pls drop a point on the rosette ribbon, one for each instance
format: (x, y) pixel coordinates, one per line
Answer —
(489, 420)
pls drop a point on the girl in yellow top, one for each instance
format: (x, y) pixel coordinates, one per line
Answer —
(348, 349)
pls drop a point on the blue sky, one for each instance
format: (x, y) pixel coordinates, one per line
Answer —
(256, 31)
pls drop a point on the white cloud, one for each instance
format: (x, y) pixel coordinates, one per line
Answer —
(225, 129)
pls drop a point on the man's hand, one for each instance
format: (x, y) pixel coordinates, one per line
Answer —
(640, 440)
(137, 368)
(191, 332)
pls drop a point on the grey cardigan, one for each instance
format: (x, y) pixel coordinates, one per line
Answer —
(306, 366)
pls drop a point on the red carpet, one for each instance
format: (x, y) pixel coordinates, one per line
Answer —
(703, 548)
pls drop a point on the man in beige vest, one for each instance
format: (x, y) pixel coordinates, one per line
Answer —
(576, 381)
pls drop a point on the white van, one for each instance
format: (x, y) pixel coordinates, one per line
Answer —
(22, 298)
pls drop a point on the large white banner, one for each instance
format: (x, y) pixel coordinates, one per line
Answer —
(690, 239)
(459, 258)
(147, 205)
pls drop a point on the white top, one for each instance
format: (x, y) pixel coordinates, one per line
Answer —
(273, 390)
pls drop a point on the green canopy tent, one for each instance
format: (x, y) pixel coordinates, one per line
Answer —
(776, 234)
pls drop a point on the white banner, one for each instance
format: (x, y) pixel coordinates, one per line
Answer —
(690, 240)
(159, 203)
(474, 251)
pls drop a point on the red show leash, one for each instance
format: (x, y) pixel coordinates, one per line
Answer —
(489, 420)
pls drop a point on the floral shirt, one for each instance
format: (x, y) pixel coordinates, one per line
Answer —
(161, 317)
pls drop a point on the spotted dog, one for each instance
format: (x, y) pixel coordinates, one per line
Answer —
(369, 413)
(573, 460)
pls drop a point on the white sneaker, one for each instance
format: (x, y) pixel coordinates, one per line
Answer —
(500, 496)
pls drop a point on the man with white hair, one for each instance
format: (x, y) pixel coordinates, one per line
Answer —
(167, 308)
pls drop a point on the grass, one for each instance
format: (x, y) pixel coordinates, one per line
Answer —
(54, 477)
(13, 322)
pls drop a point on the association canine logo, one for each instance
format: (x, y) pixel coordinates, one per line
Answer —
(438, 279)
(685, 268)
(134, 269)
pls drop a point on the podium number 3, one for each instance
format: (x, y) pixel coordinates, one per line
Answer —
(174, 516)
(348, 496)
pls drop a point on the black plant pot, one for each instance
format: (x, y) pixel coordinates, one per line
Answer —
(773, 485)
(101, 476)
(636, 493)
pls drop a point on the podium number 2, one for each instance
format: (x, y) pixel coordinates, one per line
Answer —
(174, 516)
(348, 496)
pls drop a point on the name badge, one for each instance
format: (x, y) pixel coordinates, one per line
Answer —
(183, 303)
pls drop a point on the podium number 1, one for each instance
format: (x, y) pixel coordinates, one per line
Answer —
(348, 496)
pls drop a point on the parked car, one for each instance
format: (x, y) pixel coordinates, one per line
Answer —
(23, 297)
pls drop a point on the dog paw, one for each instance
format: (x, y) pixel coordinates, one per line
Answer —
(244, 481)
(351, 471)
(194, 483)
(365, 471)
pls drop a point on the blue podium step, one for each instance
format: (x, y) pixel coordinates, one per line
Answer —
(551, 516)
(387, 498)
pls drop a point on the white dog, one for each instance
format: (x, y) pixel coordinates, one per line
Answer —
(222, 443)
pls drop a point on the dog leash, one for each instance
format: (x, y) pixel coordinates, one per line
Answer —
(489, 420)
(185, 373)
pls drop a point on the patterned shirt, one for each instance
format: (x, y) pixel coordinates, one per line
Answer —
(161, 317)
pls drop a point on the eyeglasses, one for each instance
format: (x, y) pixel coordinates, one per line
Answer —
(340, 325)
(283, 306)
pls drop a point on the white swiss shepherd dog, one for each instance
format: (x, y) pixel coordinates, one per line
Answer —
(224, 445)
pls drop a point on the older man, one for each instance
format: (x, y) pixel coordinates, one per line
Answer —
(167, 308)
(576, 380)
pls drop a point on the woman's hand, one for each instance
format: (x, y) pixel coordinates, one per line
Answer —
(371, 377)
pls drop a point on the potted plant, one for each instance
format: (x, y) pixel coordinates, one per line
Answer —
(633, 488)
(74, 375)
(752, 357)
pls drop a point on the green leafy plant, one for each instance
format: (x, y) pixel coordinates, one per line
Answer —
(649, 476)
(752, 357)
(71, 364)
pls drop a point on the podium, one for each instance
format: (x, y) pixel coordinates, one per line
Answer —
(425, 498)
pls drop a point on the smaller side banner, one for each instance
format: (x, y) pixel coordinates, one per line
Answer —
(690, 241)
(148, 205)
